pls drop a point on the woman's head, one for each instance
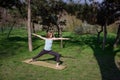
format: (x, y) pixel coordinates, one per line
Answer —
(49, 34)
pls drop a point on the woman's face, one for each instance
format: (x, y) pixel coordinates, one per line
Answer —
(49, 35)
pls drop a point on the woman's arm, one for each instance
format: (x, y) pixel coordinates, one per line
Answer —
(60, 38)
(39, 36)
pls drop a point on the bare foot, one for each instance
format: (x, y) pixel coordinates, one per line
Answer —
(32, 60)
(57, 65)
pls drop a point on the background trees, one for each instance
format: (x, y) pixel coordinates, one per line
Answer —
(105, 16)
(51, 14)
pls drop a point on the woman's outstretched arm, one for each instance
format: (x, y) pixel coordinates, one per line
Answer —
(60, 38)
(39, 36)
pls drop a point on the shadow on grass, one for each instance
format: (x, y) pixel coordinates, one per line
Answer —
(105, 59)
(14, 45)
(9, 47)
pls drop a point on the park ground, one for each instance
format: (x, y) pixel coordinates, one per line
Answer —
(83, 56)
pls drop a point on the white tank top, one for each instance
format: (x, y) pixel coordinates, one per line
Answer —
(48, 44)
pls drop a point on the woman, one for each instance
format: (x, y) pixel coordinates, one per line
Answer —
(48, 47)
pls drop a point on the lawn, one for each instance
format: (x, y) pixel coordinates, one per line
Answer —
(83, 56)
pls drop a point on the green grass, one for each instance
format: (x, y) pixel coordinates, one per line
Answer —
(83, 56)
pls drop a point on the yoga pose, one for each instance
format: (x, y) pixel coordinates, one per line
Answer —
(48, 47)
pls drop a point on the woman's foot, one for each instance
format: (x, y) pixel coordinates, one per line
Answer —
(57, 65)
(32, 60)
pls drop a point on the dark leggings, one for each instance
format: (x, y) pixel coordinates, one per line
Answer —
(57, 56)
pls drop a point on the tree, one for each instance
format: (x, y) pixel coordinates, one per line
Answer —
(29, 26)
(106, 16)
(102, 14)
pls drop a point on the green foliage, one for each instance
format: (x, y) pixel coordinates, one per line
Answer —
(83, 56)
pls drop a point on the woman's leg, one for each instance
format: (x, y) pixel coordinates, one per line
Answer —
(57, 56)
(40, 54)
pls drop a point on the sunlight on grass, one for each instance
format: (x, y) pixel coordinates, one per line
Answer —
(83, 56)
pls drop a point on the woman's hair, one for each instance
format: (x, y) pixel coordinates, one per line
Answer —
(49, 34)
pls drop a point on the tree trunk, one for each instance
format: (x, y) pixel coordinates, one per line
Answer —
(11, 29)
(61, 43)
(58, 28)
(33, 27)
(105, 36)
(117, 37)
(29, 27)
(98, 36)
(4, 14)
(2, 30)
